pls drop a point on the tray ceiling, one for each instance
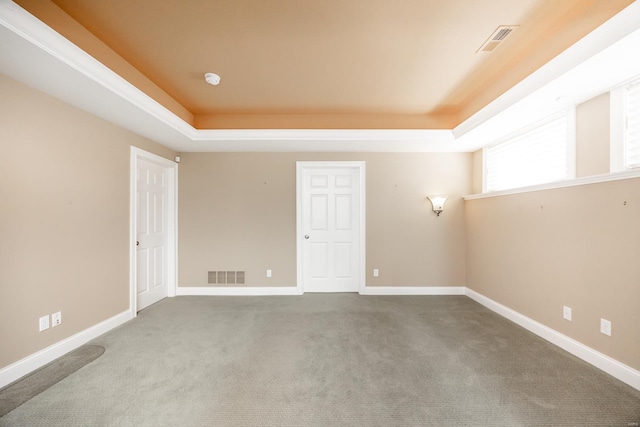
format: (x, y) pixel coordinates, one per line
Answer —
(348, 64)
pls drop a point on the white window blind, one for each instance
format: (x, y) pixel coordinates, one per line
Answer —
(632, 125)
(536, 155)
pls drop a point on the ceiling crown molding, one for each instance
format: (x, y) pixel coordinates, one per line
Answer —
(35, 54)
(152, 120)
(31, 29)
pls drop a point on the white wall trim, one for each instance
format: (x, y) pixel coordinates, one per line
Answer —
(293, 290)
(41, 35)
(601, 361)
(413, 290)
(595, 179)
(30, 363)
(237, 291)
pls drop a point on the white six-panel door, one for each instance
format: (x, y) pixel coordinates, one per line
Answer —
(330, 227)
(151, 233)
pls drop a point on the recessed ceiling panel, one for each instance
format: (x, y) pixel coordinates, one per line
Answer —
(334, 58)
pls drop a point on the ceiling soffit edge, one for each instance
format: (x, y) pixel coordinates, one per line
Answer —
(25, 25)
(31, 29)
(606, 35)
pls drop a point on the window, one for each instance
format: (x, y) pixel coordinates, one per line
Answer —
(625, 127)
(631, 134)
(535, 155)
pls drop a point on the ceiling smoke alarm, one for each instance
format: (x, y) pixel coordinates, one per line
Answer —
(212, 79)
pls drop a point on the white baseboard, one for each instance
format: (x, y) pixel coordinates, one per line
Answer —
(237, 291)
(601, 361)
(293, 290)
(413, 290)
(30, 363)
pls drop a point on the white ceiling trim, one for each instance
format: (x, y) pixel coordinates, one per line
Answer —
(165, 127)
(35, 54)
(41, 35)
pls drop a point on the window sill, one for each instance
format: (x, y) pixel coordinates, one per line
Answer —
(595, 179)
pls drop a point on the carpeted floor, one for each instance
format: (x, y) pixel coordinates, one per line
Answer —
(33, 384)
(329, 360)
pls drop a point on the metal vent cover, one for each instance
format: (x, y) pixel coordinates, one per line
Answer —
(239, 277)
(212, 278)
(497, 37)
(225, 277)
(231, 277)
(222, 277)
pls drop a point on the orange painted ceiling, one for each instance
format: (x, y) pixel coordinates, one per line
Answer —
(343, 64)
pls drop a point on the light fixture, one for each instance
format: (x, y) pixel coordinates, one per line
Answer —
(212, 79)
(438, 203)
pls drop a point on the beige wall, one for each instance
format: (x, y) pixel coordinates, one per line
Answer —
(64, 216)
(238, 212)
(477, 172)
(578, 246)
(592, 136)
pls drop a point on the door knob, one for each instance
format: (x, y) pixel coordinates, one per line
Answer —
(137, 243)
(306, 236)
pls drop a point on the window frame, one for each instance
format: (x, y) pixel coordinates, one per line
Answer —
(618, 128)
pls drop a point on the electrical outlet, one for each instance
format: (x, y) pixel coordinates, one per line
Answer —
(268, 273)
(44, 323)
(56, 319)
(566, 313)
(376, 273)
(605, 327)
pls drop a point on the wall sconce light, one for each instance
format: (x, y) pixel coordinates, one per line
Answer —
(438, 203)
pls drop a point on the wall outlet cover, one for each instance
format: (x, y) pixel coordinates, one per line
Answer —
(44, 323)
(605, 327)
(566, 313)
(56, 319)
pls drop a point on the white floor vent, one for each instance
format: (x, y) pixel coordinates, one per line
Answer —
(226, 278)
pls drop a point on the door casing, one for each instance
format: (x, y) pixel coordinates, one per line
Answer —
(300, 167)
(172, 218)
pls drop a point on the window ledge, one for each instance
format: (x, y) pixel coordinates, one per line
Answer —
(595, 179)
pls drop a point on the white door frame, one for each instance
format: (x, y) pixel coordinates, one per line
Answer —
(172, 221)
(300, 166)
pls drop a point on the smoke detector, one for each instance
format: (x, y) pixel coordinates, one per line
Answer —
(212, 79)
(499, 35)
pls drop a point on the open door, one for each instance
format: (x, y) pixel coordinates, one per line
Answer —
(154, 231)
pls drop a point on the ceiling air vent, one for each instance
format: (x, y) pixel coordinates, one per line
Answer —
(499, 35)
